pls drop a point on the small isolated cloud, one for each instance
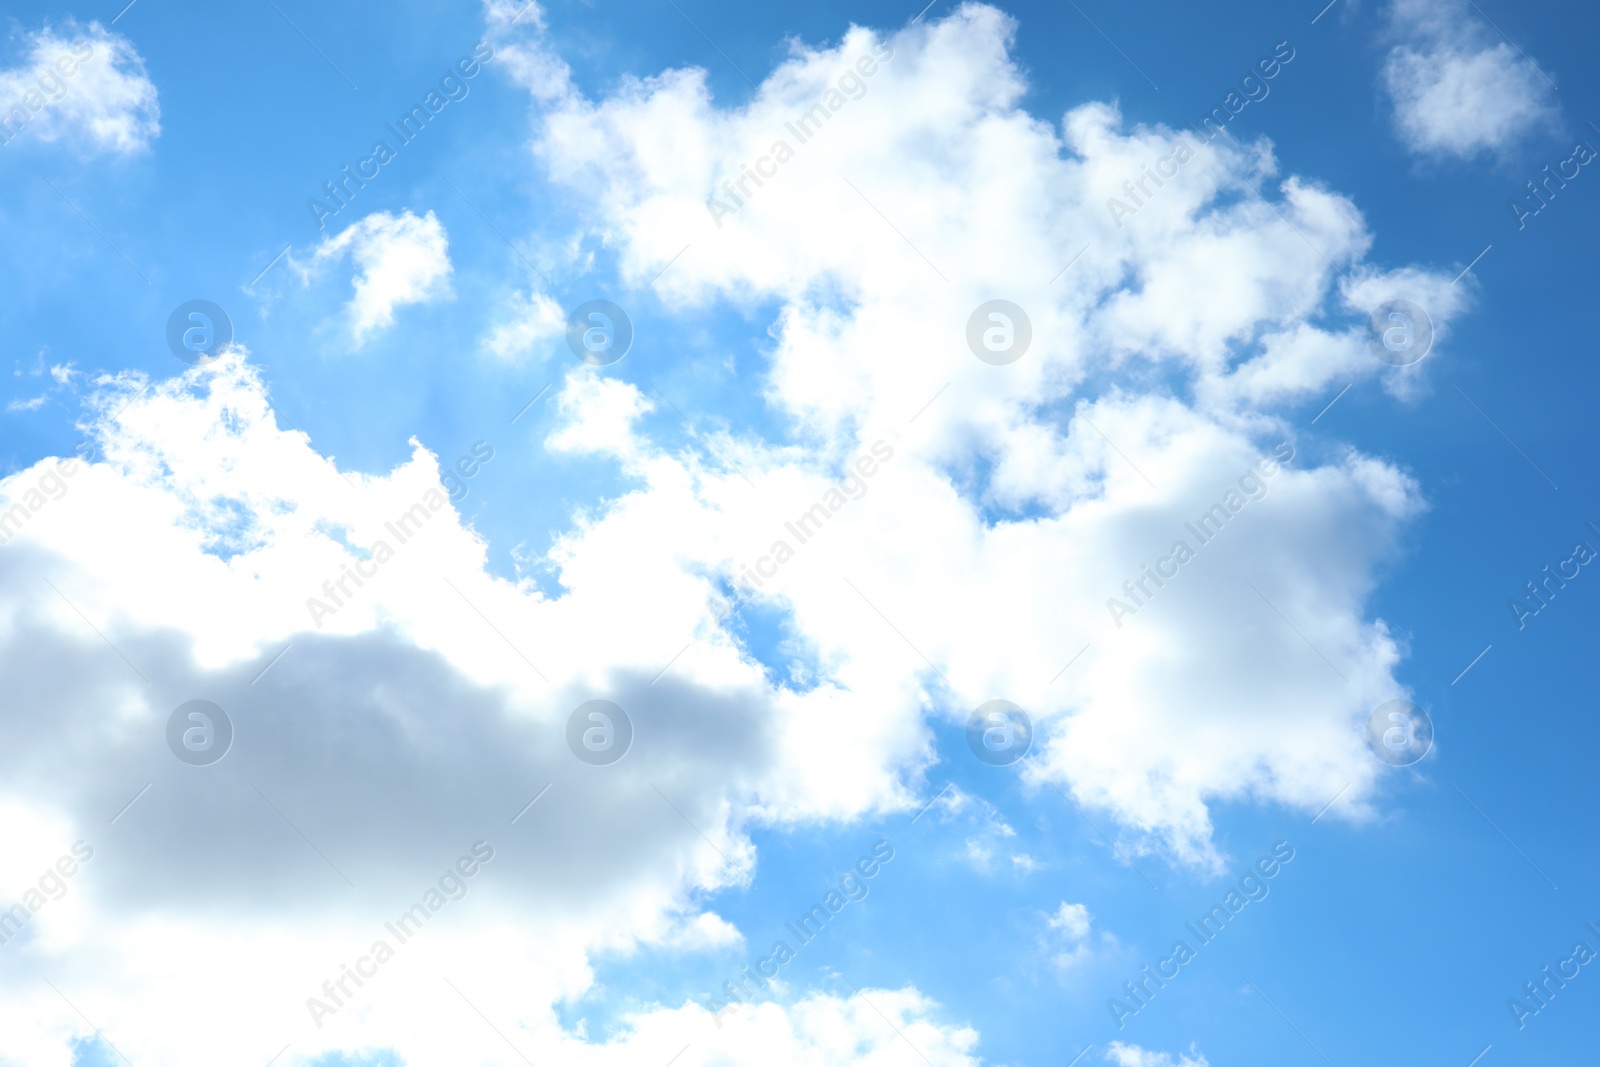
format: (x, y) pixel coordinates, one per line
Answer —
(1134, 1056)
(80, 84)
(60, 373)
(529, 320)
(702, 933)
(597, 417)
(1070, 937)
(1456, 91)
(399, 259)
(1071, 921)
(989, 836)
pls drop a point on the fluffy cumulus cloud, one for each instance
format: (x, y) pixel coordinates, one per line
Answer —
(81, 84)
(879, 191)
(1457, 89)
(935, 531)
(870, 1027)
(417, 707)
(398, 259)
(597, 417)
(1067, 937)
(1133, 1056)
(1071, 921)
(530, 321)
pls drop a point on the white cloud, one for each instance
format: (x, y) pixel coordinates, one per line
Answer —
(1134, 1056)
(1254, 306)
(399, 260)
(822, 1030)
(545, 74)
(987, 834)
(84, 85)
(992, 835)
(530, 321)
(1070, 938)
(1456, 90)
(990, 531)
(597, 417)
(61, 374)
(1071, 921)
(704, 931)
(432, 728)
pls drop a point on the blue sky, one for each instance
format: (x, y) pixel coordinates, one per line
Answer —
(807, 353)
